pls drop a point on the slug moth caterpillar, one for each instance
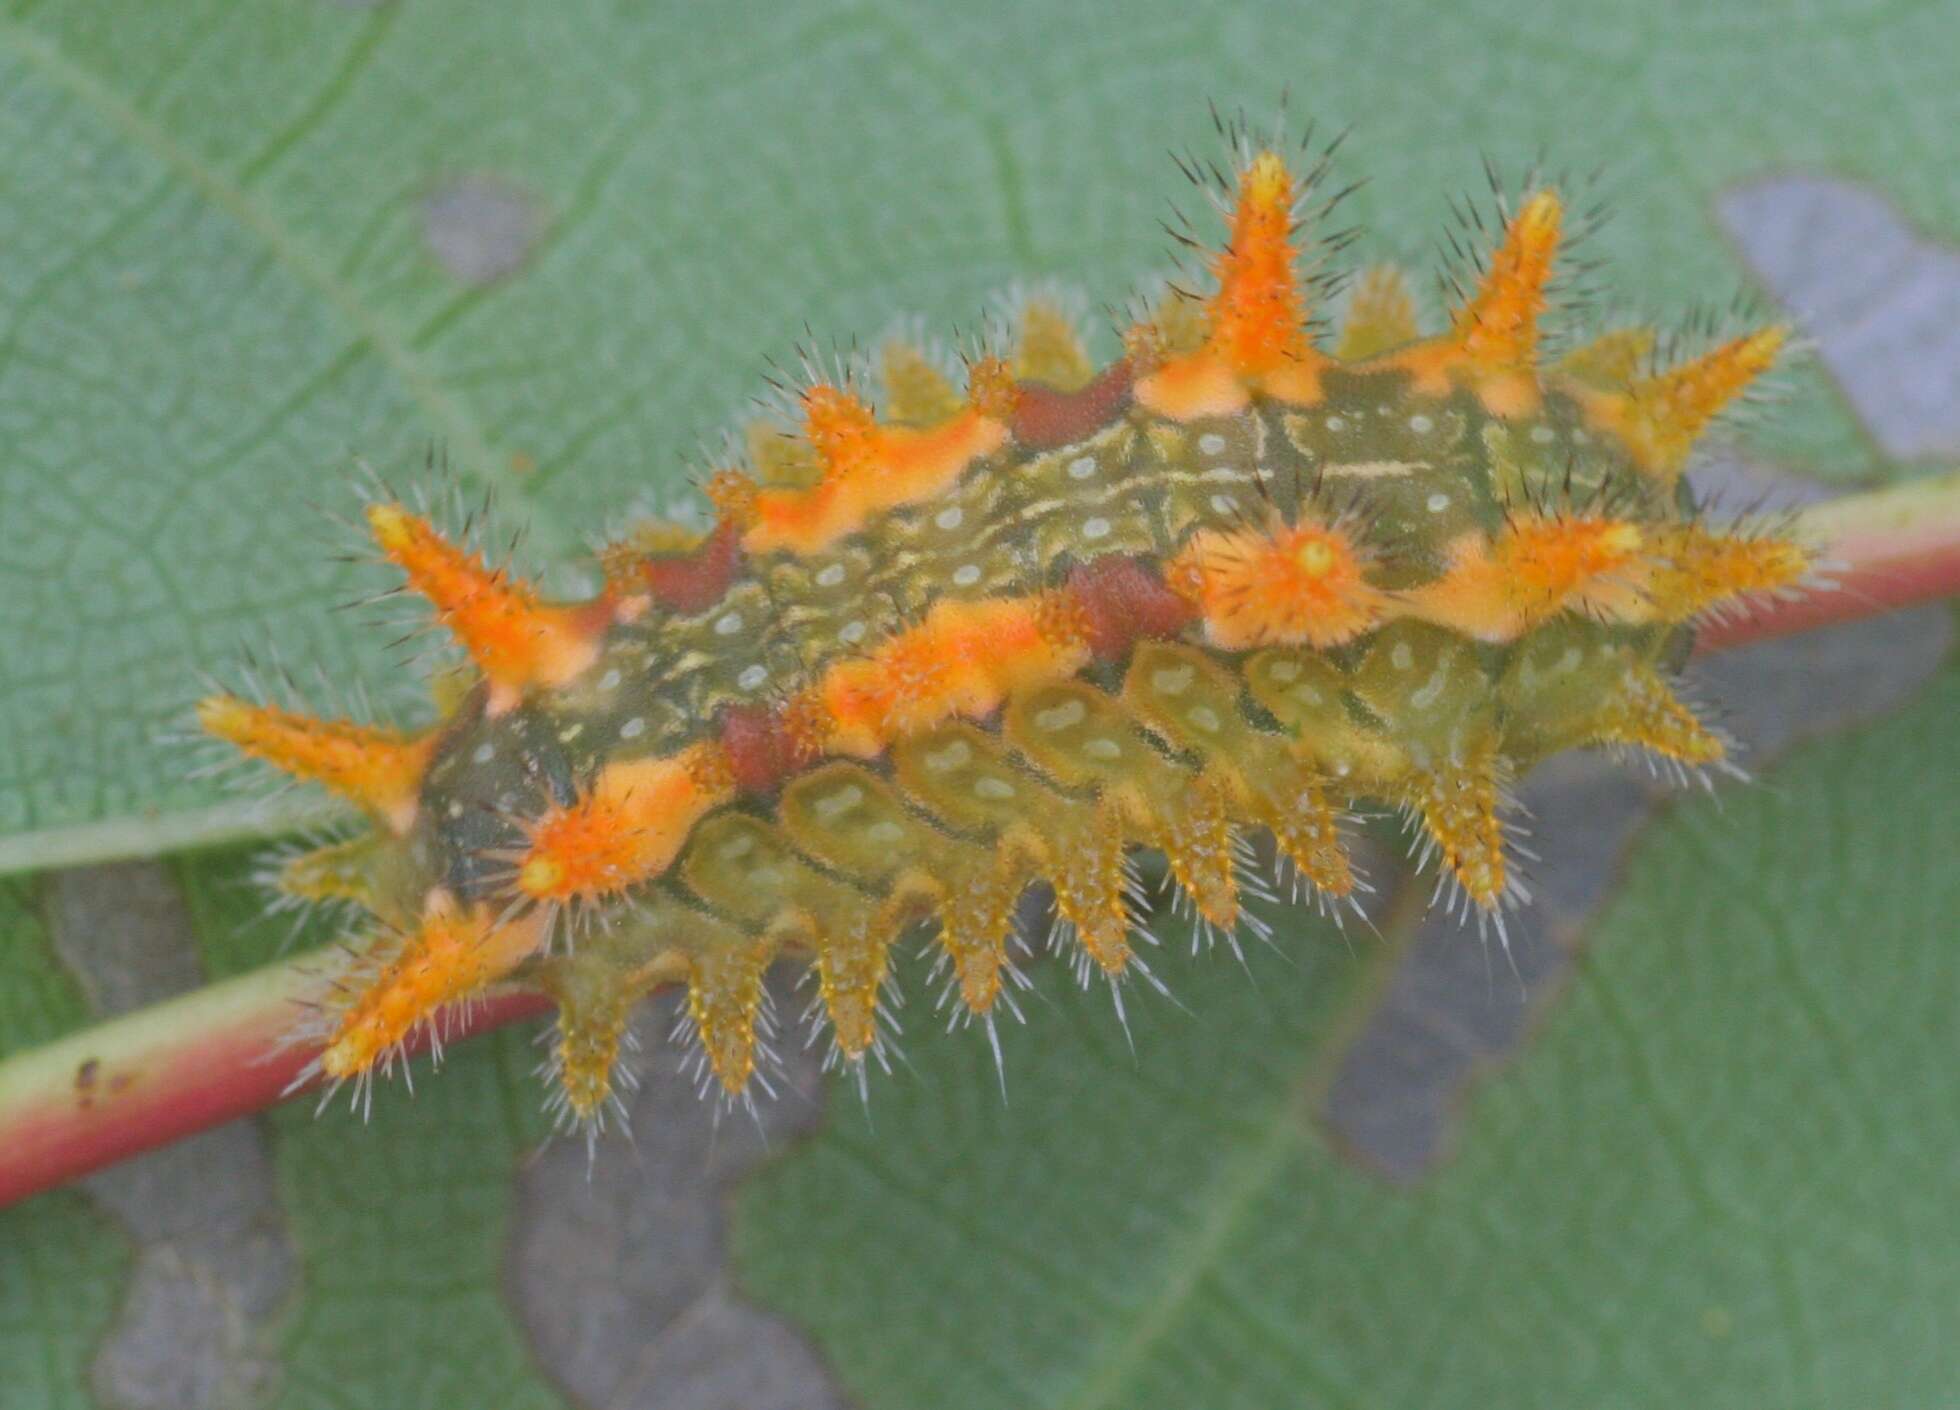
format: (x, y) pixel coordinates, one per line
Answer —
(1007, 628)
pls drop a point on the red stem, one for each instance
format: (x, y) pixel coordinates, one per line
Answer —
(155, 1076)
(124, 1086)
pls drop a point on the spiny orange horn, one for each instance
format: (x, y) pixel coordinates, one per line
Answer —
(1659, 418)
(377, 769)
(1498, 328)
(516, 641)
(1256, 322)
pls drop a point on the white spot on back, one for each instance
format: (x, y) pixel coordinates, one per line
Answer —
(1171, 680)
(1082, 467)
(1421, 424)
(633, 728)
(966, 575)
(1438, 502)
(752, 677)
(953, 756)
(949, 518)
(852, 633)
(830, 575)
(1060, 717)
(1431, 692)
(1211, 443)
(729, 624)
(1095, 528)
(842, 801)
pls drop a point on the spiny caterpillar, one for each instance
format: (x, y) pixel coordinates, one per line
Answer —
(1007, 633)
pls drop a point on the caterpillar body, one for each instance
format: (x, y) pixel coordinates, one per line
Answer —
(1007, 633)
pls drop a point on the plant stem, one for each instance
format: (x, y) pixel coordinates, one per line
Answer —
(154, 1076)
(125, 1086)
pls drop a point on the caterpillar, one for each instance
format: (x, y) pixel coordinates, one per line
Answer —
(1011, 628)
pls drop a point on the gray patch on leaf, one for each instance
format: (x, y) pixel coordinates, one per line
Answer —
(617, 1274)
(1457, 1005)
(478, 228)
(1881, 300)
(213, 1264)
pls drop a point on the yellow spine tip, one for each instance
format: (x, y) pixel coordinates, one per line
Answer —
(222, 716)
(540, 876)
(392, 526)
(1538, 220)
(1316, 557)
(1267, 183)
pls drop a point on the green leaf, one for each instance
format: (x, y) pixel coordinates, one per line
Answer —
(241, 244)
(1723, 1175)
(244, 243)
(62, 1262)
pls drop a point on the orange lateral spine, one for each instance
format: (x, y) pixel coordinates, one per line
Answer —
(868, 467)
(626, 829)
(379, 770)
(1493, 339)
(962, 660)
(1256, 321)
(1538, 566)
(452, 955)
(1658, 418)
(516, 641)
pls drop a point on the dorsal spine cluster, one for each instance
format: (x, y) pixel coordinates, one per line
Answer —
(1009, 632)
